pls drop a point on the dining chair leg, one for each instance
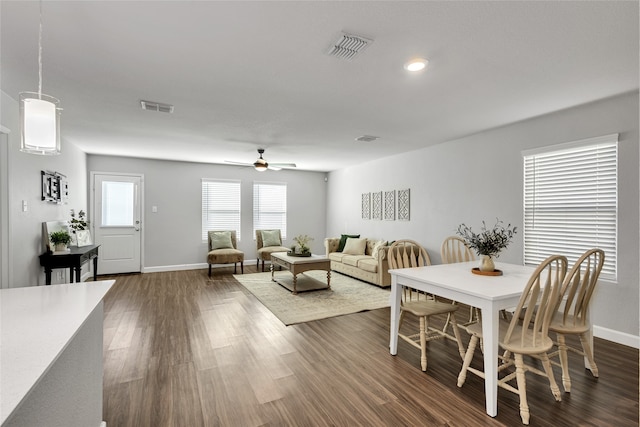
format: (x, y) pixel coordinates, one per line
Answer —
(564, 363)
(586, 348)
(522, 389)
(546, 364)
(473, 342)
(456, 333)
(423, 343)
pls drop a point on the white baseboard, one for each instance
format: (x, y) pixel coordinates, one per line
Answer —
(103, 424)
(179, 267)
(616, 336)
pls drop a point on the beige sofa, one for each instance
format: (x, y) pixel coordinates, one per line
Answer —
(364, 267)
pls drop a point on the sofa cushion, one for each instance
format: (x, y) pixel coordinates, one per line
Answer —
(368, 264)
(337, 256)
(271, 238)
(376, 247)
(343, 240)
(221, 240)
(353, 259)
(355, 246)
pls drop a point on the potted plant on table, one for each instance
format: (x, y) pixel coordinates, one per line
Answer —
(60, 239)
(488, 243)
(302, 247)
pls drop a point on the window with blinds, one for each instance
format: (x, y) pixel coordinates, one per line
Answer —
(571, 201)
(270, 207)
(220, 206)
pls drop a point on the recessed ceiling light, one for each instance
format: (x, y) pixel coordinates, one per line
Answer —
(416, 64)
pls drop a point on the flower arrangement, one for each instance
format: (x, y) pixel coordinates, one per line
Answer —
(79, 223)
(488, 242)
(303, 242)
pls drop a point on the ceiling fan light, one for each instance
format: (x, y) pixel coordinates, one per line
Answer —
(39, 124)
(261, 165)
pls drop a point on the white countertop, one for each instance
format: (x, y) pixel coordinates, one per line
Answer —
(36, 325)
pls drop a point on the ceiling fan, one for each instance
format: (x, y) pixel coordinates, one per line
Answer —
(262, 165)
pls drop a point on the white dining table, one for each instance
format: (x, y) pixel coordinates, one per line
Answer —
(456, 282)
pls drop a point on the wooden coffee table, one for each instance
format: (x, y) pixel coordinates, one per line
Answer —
(298, 265)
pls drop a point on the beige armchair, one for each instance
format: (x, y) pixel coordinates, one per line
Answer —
(223, 250)
(268, 242)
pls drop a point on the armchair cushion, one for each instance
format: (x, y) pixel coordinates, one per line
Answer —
(221, 240)
(271, 238)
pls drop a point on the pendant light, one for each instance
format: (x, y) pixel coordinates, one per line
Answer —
(39, 115)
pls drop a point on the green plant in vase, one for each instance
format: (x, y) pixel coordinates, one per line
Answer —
(488, 243)
(302, 244)
(60, 239)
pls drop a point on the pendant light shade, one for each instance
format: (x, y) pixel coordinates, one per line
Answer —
(39, 115)
(39, 124)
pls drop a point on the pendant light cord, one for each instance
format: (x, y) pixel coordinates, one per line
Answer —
(40, 55)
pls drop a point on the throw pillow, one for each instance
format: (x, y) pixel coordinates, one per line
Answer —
(343, 240)
(221, 240)
(270, 238)
(355, 246)
(376, 248)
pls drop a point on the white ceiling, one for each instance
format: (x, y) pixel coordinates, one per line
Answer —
(244, 75)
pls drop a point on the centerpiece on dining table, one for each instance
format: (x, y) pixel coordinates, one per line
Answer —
(488, 244)
(302, 246)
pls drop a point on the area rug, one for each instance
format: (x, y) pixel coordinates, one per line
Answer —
(346, 296)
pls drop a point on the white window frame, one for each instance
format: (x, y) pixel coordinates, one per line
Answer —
(270, 212)
(570, 201)
(230, 191)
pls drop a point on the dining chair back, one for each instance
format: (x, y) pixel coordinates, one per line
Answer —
(527, 333)
(454, 249)
(572, 311)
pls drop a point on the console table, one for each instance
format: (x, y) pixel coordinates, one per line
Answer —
(72, 260)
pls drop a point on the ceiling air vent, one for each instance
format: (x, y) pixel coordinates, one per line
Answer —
(156, 106)
(367, 138)
(348, 46)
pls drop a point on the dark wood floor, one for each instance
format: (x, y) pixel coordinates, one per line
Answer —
(183, 349)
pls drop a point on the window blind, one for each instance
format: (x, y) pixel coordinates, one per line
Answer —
(270, 207)
(571, 201)
(220, 206)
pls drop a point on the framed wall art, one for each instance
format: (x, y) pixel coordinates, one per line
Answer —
(366, 205)
(390, 205)
(403, 205)
(376, 205)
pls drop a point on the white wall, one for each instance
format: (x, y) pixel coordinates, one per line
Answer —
(172, 236)
(24, 183)
(480, 177)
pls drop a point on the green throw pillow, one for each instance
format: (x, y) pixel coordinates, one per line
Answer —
(270, 238)
(221, 240)
(343, 240)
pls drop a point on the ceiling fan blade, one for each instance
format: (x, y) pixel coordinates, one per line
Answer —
(238, 163)
(283, 165)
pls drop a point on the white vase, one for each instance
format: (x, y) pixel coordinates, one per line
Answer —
(486, 264)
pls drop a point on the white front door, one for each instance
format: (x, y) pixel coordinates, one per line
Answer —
(117, 222)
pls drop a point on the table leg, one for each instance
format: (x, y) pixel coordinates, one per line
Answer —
(47, 276)
(295, 282)
(394, 300)
(71, 275)
(272, 272)
(490, 320)
(328, 279)
(78, 273)
(95, 269)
